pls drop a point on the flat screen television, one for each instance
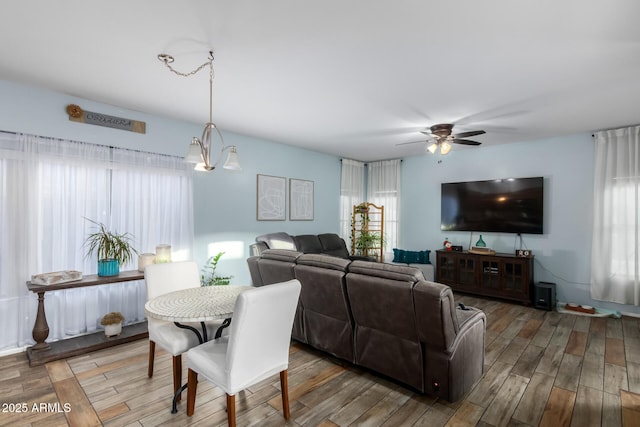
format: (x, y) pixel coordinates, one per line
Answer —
(512, 205)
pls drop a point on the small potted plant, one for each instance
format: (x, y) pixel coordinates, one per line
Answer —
(209, 277)
(113, 249)
(112, 323)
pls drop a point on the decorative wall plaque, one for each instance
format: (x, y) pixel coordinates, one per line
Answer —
(77, 114)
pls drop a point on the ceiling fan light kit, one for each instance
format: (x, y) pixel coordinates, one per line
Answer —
(199, 151)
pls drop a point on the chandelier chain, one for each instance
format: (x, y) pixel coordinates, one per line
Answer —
(191, 73)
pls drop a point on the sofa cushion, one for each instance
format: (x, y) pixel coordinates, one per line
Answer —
(324, 261)
(333, 245)
(411, 257)
(281, 255)
(402, 273)
(308, 243)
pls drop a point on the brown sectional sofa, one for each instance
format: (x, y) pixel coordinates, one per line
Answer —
(383, 317)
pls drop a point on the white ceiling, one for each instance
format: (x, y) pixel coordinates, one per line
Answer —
(347, 77)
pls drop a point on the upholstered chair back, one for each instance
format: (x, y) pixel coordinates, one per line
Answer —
(171, 276)
(260, 334)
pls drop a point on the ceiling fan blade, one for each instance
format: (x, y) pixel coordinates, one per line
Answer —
(470, 133)
(465, 142)
(426, 132)
(411, 142)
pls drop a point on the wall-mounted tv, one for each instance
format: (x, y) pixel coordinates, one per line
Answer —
(512, 205)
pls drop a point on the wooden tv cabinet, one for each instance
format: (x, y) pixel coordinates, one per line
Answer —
(500, 275)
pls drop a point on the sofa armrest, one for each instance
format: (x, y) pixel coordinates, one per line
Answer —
(257, 248)
(254, 271)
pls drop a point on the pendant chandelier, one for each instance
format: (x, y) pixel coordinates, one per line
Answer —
(200, 149)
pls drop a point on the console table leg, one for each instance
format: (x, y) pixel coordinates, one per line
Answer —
(41, 327)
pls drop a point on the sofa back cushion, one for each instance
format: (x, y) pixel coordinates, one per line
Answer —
(385, 333)
(324, 261)
(308, 243)
(327, 321)
(276, 265)
(401, 273)
(332, 244)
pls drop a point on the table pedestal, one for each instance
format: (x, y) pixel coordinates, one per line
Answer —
(41, 327)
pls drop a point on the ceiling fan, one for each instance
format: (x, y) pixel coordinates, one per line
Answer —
(442, 137)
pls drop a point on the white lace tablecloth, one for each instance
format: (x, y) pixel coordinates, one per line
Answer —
(195, 304)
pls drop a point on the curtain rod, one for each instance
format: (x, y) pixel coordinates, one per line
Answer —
(365, 163)
(92, 143)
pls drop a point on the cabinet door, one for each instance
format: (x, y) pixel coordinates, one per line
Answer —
(446, 268)
(516, 277)
(490, 274)
(467, 271)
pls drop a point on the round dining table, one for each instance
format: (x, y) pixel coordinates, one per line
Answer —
(196, 305)
(193, 305)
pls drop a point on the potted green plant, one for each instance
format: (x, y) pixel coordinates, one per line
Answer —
(112, 323)
(209, 276)
(367, 241)
(112, 249)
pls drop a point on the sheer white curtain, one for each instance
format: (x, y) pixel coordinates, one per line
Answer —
(383, 188)
(47, 189)
(615, 259)
(352, 186)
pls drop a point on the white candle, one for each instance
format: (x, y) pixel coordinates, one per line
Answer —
(144, 260)
(163, 253)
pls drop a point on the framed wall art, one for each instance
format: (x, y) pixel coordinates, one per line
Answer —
(271, 198)
(300, 200)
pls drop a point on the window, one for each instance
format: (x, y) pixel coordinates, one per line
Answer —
(615, 260)
(47, 189)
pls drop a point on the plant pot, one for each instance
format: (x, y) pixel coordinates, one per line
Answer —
(108, 267)
(113, 330)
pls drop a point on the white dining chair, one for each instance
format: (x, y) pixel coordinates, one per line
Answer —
(161, 279)
(256, 348)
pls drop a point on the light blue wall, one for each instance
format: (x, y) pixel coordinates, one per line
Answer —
(225, 202)
(562, 253)
(225, 214)
(41, 112)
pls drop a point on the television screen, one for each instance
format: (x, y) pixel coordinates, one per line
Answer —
(512, 205)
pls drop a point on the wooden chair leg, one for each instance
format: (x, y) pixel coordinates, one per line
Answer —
(177, 374)
(231, 410)
(152, 356)
(284, 389)
(192, 387)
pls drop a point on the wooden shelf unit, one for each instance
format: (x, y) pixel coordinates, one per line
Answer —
(367, 220)
(500, 275)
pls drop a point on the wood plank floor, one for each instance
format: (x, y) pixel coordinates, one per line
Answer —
(542, 369)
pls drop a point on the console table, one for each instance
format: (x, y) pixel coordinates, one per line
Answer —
(500, 275)
(43, 352)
